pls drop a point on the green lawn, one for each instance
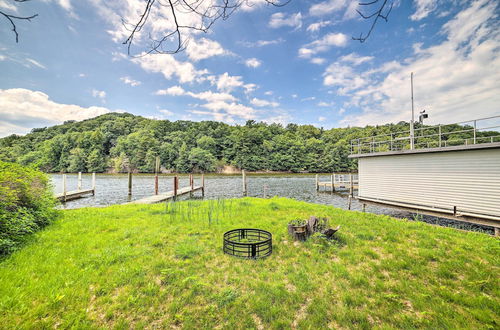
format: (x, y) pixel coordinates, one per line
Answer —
(153, 267)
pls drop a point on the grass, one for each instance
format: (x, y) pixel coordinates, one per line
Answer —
(162, 266)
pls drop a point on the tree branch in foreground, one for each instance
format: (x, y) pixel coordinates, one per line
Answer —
(377, 14)
(12, 18)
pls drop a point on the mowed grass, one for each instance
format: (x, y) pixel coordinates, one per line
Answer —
(152, 266)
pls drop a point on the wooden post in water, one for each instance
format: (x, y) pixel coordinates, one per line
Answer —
(349, 201)
(364, 207)
(129, 183)
(244, 177)
(333, 182)
(93, 184)
(157, 169)
(203, 185)
(176, 186)
(64, 186)
(79, 180)
(351, 185)
(317, 183)
(191, 184)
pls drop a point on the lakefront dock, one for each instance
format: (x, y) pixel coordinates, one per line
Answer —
(173, 194)
(339, 181)
(76, 194)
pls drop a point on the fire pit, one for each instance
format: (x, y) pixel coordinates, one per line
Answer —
(248, 243)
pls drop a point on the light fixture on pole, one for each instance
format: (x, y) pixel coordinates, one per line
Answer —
(422, 116)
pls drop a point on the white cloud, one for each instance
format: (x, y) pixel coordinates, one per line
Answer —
(166, 112)
(2, 58)
(130, 81)
(204, 48)
(356, 59)
(323, 44)
(321, 119)
(253, 62)
(280, 19)
(327, 7)
(82, 75)
(263, 103)
(315, 27)
(227, 83)
(455, 80)
(343, 76)
(8, 6)
(318, 60)
(99, 94)
(23, 109)
(324, 104)
(174, 90)
(35, 63)
(262, 43)
(424, 8)
(168, 66)
(268, 93)
(249, 88)
(310, 98)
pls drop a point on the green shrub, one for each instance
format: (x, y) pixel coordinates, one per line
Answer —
(26, 204)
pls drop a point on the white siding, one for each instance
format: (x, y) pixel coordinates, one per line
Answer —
(468, 179)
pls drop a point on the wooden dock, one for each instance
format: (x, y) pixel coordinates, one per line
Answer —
(76, 194)
(338, 181)
(166, 196)
(71, 195)
(158, 198)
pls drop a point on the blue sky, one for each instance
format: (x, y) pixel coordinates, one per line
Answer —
(295, 63)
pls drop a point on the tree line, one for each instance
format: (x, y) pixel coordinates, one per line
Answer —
(119, 142)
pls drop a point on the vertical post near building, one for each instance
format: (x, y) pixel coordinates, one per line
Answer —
(440, 138)
(412, 122)
(64, 186)
(93, 184)
(317, 182)
(79, 181)
(475, 128)
(333, 182)
(129, 183)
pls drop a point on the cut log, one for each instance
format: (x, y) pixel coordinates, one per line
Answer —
(330, 232)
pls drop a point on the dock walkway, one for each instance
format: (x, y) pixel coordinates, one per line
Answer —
(71, 195)
(166, 196)
(347, 181)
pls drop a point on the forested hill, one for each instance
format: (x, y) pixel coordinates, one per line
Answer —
(119, 141)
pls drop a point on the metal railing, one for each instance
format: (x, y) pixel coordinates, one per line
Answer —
(478, 131)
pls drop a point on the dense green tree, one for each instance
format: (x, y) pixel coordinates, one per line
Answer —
(201, 160)
(126, 142)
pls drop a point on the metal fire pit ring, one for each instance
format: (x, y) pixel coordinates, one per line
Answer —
(248, 243)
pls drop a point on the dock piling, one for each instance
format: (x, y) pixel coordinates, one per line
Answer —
(176, 186)
(333, 182)
(202, 185)
(93, 184)
(317, 182)
(79, 180)
(129, 183)
(244, 177)
(64, 187)
(157, 169)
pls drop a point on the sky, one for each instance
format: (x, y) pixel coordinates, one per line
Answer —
(292, 64)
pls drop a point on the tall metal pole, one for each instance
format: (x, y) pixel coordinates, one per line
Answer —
(412, 129)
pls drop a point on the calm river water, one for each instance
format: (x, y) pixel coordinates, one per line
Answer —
(113, 189)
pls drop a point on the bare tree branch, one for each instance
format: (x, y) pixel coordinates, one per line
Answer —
(206, 12)
(12, 18)
(377, 14)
